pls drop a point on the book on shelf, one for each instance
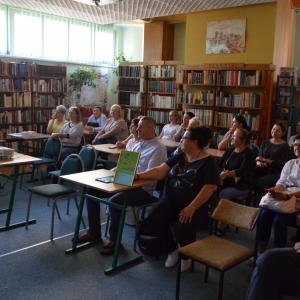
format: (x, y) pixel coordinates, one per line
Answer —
(161, 71)
(130, 113)
(251, 78)
(218, 138)
(132, 84)
(50, 85)
(286, 72)
(161, 116)
(162, 86)
(50, 71)
(40, 100)
(252, 120)
(203, 97)
(15, 116)
(132, 71)
(204, 115)
(200, 77)
(161, 101)
(238, 100)
(15, 100)
(13, 85)
(179, 77)
(134, 99)
(284, 94)
(42, 115)
(15, 69)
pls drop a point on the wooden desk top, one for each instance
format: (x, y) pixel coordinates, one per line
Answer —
(88, 179)
(215, 152)
(169, 143)
(18, 158)
(87, 132)
(38, 136)
(104, 148)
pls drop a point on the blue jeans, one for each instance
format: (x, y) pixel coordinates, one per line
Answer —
(266, 182)
(93, 209)
(280, 221)
(230, 193)
(110, 140)
(277, 272)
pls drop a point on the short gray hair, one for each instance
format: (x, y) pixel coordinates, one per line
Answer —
(150, 121)
(61, 108)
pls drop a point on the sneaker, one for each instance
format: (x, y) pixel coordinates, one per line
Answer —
(185, 264)
(171, 260)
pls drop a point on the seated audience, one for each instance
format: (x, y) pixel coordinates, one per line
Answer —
(277, 272)
(169, 130)
(290, 176)
(152, 154)
(133, 137)
(70, 134)
(192, 179)
(272, 156)
(237, 167)
(57, 120)
(96, 117)
(114, 130)
(237, 122)
(185, 122)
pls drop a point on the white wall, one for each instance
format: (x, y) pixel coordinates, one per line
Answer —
(179, 41)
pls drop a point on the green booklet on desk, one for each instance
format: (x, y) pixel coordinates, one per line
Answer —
(126, 168)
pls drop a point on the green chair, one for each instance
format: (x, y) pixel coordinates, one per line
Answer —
(51, 156)
(72, 164)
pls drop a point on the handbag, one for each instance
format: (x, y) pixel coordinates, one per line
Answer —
(277, 205)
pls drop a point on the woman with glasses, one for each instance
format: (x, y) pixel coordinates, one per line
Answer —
(192, 180)
(57, 120)
(237, 167)
(289, 177)
(273, 154)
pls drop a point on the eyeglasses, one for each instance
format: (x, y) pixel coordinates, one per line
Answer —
(296, 145)
(236, 137)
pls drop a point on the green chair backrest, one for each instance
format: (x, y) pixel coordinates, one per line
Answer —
(71, 165)
(53, 148)
(89, 157)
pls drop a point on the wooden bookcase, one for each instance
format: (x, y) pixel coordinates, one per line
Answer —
(22, 97)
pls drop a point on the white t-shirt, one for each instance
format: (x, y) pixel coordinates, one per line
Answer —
(131, 143)
(169, 131)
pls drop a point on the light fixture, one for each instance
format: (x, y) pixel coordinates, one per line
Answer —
(98, 2)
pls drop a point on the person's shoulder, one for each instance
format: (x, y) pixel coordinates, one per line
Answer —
(155, 142)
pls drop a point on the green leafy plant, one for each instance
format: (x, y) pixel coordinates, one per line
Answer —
(120, 58)
(82, 76)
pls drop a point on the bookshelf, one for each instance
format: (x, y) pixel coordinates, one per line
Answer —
(216, 92)
(28, 94)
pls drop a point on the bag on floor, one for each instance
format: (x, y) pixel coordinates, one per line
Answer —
(151, 246)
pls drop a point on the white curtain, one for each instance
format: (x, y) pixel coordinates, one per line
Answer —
(104, 44)
(3, 30)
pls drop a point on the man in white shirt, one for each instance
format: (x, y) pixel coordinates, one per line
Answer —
(152, 154)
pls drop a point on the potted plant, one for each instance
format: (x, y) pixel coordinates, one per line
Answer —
(82, 76)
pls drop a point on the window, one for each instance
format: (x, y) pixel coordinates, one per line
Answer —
(80, 43)
(104, 52)
(27, 35)
(55, 39)
(3, 31)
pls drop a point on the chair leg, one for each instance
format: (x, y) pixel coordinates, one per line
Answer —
(178, 277)
(76, 202)
(28, 210)
(136, 227)
(221, 286)
(134, 214)
(106, 228)
(206, 274)
(21, 182)
(52, 219)
(58, 214)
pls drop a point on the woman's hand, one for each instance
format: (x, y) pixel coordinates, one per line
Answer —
(297, 247)
(54, 136)
(279, 195)
(222, 176)
(260, 164)
(94, 141)
(89, 128)
(54, 116)
(186, 214)
(259, 158)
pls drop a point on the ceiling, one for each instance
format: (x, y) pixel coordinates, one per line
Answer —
(126, 10)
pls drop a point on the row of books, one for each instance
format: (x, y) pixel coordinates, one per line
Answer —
(42, 115)
(14, 85)
(239, 100)
(284, 96)
(204, 115)
(224, 119)
(43, 100)
(15, 100)
(16, 116)
(200, 77)
(130, 113)
(161, 116)
(203, 97)
(162, 86)
(132, 84)
(134, 99)
(50, 85)
(161, 101)
(14, 69)
(132, 71)
(161, 71)
(250, 78)
(49, 71)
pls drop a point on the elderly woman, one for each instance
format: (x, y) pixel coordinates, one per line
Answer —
(57, 120)
(133, 138)
(272, 156)
(290, 176)
(237, 122)
(186, 118)
(192, 179)
(237, 167)
(114, 130)
(70, 134)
